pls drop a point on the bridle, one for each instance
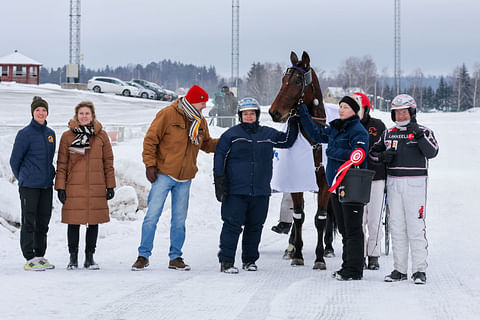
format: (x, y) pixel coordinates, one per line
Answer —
(306, 80)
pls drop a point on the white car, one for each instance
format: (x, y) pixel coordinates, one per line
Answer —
(143, 92)
(111, 85)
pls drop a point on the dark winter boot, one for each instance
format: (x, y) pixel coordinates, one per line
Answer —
(373, 263)
(228, 267)
(282, 227)
(73, 264)
(90, 264)
(419, 277)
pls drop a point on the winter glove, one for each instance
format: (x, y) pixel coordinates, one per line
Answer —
(62, 196)
(110, 193)
(220, 188)
(151, 174)
(415, 129)
(303, 110)
(388, 156)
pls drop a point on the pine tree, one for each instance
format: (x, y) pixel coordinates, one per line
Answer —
(463, 89)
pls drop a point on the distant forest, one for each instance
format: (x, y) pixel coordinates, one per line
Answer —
(457, 91)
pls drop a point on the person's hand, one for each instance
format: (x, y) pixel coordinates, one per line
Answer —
(302, 109)
(151, 173)
(388, 156)
(220, 188)
(415, 129)
(110, 193)
(62, 196)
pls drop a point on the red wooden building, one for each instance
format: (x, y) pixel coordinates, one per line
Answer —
(19, 68)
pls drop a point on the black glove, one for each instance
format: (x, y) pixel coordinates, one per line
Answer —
(415, 129)
(62, 196)
(110, 193)
(220, 188)
(151, 173)
(388, 156)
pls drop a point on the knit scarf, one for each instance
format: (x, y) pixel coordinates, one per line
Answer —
(83, 136)
(194, 116)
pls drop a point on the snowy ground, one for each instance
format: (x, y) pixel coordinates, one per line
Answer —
(277, 290)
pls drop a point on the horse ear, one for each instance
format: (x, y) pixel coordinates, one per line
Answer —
(293, 58)
(305, 60)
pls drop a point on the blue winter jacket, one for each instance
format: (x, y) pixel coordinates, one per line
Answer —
(244, 156)
(342, 136)
(32, 156)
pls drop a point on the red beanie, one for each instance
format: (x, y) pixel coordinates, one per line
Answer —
(196, 95)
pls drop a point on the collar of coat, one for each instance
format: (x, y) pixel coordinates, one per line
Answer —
(97, 126)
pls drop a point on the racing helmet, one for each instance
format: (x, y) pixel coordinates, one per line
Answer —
(248, 104)
(404, 101)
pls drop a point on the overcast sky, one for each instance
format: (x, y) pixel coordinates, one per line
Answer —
(437, 35)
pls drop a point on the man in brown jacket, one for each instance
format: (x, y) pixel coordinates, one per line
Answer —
(170, 150)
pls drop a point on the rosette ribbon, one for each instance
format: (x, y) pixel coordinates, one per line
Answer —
(356, 157)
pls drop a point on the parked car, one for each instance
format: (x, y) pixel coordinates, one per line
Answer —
(111, 85)
(170, 96)
(142, 91)
(160, 92)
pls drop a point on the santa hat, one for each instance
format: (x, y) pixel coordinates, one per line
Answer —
(196, 94)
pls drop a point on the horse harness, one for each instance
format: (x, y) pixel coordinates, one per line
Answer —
(306, 79)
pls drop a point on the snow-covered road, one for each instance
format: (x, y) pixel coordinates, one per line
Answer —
(277, 290)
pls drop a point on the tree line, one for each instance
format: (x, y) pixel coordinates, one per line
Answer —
(458, 91)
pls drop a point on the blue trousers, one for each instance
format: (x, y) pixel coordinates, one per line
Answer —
(238, 211)
(180, 193)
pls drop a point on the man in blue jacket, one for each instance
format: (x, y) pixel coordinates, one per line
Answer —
(243, 171)
(32, 164)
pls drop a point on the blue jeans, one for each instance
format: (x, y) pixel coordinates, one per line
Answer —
(180, 192)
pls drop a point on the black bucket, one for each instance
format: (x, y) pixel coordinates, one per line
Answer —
(356, 186)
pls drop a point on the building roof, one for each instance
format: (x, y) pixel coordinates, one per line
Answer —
(341, 92)
(18, 58)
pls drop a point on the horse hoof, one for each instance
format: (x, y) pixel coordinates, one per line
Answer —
(297, 262)
(287, 255)
(319, 265)
(329, 253)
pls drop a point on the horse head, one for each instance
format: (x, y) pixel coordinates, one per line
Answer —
(299, 85)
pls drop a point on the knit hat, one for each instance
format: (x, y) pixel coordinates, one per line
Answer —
(38, 102)
(365, 101)
(354, 101)
(196, 95)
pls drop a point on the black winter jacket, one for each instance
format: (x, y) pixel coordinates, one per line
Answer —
(412, 154)
(375, 128)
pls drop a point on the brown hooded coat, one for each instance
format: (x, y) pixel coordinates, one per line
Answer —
(85, 177)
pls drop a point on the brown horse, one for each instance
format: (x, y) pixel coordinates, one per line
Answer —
(300, 85)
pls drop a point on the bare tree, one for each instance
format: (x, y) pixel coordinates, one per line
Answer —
(358, 72)
(476, 76)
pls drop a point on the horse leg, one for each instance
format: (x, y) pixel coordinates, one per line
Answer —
(298, 219)
(321, 218)
(288, 254)
(329, 232)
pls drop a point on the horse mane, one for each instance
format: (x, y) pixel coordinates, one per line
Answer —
(319, 110)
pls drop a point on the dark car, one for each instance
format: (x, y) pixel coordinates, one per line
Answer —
(159, 91)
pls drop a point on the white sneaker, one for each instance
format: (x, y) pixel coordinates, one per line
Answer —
(33, 265)
(45, 263)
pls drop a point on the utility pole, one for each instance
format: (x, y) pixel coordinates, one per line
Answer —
(397, 47)
(74, 58)
(235, 43)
